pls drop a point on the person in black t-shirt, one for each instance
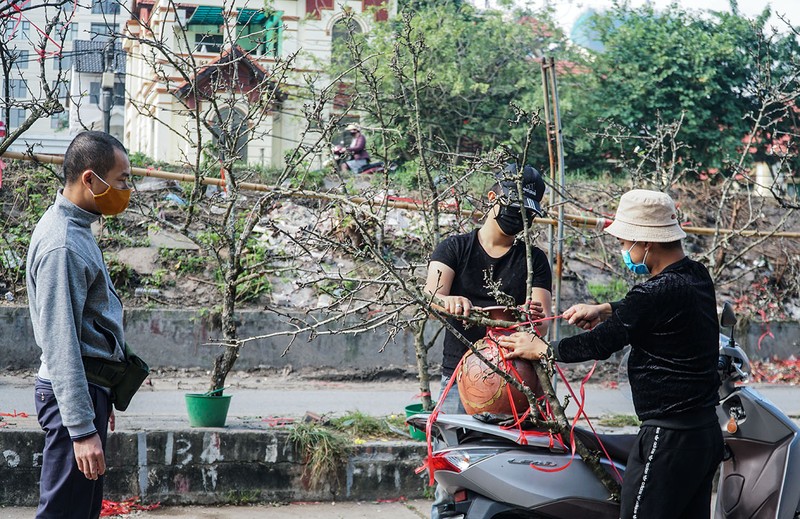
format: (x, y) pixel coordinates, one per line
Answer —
(670, 321)
(461, 266)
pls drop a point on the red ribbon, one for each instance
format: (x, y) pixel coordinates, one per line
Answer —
(767, 331)
(581, 411)
(431, 419)
(15, 414)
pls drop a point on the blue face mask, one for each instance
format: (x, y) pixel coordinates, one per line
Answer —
(637, 268)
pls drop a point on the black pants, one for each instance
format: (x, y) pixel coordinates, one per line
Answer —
(670, 472)
(64, 492)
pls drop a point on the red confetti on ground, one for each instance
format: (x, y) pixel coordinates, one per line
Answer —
(776, 371)
(401, 499)
(112, 508)
(15, 414)
(275, 421)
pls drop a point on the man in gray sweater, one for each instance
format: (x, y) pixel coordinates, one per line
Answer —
(76, 313)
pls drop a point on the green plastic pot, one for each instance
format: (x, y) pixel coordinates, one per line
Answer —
(411, 410)
(207, 410)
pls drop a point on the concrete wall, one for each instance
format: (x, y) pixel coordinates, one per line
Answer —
(784, 343)
(215, 466)
(182, 339)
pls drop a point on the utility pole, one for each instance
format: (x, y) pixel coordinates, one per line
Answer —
(107, 84)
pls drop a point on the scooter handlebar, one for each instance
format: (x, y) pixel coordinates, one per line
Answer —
(733, 364)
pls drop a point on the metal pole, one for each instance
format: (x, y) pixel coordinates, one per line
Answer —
(551, 250)
(107, 84)
(561, 183)
(557, 181)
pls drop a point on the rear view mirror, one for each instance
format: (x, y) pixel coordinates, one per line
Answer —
(728, 318)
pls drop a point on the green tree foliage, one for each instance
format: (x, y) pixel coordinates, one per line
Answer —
(469, 68)
(721, 73)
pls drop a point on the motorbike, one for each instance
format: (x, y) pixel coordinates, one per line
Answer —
(341, 155)
(491, 471)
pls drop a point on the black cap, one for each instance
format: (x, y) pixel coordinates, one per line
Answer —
(532, 187)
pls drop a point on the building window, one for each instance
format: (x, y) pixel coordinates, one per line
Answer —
(26, 28)
(18, 88)
(17, 117)
(207, 42)
(94, 93)
(65, 61)
(341, 33)
(13, 28)
(105, 7)
(273, 34)
(61, 88)
(100, 31)
(22, 59)
(231, 124)
(59, 121)
(119, 94)
(70, 31)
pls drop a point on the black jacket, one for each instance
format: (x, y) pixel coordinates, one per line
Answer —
(670, 321)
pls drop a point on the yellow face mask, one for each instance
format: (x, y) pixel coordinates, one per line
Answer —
(111, 201)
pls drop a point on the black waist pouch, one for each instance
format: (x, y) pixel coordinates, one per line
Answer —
(123, 378)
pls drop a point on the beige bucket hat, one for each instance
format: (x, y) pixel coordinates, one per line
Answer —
(645, 215)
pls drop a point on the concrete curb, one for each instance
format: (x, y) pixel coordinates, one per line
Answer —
(212, 466)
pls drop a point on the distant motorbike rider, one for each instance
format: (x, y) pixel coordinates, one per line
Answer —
(670, 321)
(357, 150)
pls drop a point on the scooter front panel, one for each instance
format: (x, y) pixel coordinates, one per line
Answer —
(510, 478)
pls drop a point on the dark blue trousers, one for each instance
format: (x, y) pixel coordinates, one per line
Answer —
(64, 492)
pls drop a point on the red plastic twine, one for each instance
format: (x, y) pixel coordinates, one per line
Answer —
(431, 419)
(767, 331)
(581, 411)
(15, 414)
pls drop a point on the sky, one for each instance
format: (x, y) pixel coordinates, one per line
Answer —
(567, 11)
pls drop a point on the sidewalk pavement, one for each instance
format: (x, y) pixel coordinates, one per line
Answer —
(413, 509)
(278, 396)
(160, 406)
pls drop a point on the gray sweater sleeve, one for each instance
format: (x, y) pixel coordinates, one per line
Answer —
(63, 277)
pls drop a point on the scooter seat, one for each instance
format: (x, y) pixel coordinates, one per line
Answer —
(617, 445)
(372, 167)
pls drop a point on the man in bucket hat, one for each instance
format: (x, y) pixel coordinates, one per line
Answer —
(670, 321)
